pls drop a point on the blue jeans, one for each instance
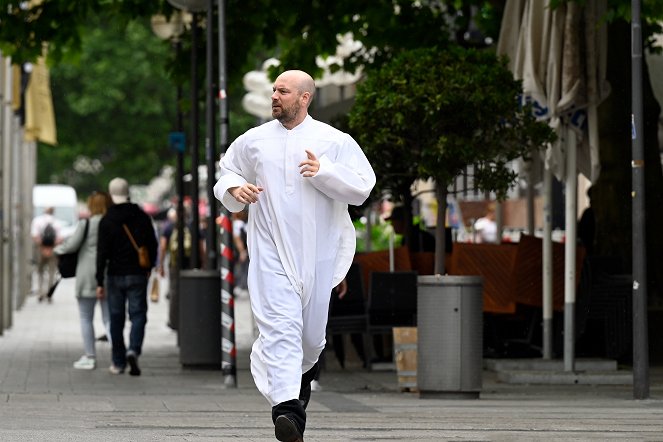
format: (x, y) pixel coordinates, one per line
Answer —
(122, 291)
(86, 314)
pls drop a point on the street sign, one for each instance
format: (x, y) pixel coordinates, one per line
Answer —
(177, 141)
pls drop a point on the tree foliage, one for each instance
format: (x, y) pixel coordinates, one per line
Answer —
(431, 113)
(111, 104)
(115, 102)
(296, 31)
(26, 26)
(299, 30)
(114, 108)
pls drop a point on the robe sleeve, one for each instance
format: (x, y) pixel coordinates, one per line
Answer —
(230, 167)
(349, 178)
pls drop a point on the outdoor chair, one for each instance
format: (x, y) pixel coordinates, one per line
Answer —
(348, 316)
(392, 302)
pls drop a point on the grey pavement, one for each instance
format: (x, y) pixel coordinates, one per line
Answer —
(43, 398)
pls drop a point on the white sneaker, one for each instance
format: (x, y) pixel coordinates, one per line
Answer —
(85, 363)
(315, 385)
(115, 370)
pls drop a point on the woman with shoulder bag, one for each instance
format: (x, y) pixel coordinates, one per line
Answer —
(86, 284)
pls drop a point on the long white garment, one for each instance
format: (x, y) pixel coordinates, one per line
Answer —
(301, 240)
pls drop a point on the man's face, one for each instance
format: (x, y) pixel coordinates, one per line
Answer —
(286, 103)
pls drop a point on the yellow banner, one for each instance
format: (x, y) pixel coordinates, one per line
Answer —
(16, 87)
(39, 115)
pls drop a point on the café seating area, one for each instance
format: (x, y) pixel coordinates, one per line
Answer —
(512, 293)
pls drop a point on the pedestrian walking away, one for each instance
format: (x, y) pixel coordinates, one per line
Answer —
(121, 277)
(45, 231)
(84, 240)
(241, 252)
(298, 176)
(168, 253)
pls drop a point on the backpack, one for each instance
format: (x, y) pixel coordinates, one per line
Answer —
(48, 235)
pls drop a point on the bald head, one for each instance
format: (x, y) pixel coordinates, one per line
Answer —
(293, 93)
(302, 81)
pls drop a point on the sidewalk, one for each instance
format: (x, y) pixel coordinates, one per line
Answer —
(42, 398)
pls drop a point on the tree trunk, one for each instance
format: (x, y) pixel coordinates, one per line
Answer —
(440, 237)
(611, 195)
(408, 226)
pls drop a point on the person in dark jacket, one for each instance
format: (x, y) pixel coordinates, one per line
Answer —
(120, 276)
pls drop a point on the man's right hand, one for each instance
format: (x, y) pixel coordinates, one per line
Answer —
(246, 194)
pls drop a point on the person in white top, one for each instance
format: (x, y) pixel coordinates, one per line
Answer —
(298, 176)
(486, 226)
(45, 232)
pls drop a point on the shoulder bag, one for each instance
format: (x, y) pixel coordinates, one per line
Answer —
(143, 254)
(68, 261)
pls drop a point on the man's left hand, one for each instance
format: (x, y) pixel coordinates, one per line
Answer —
(310, 166)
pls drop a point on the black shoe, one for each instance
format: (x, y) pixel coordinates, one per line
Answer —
(102, 338)
(132, 359)
(286, 430)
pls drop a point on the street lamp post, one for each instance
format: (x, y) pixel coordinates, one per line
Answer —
(171, 29)
(228, 362)
(195, 152)
(227, 314)
(639, 263)
(210, 140)
(193, 7)
(196, 6)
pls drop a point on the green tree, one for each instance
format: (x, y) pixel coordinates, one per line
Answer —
(300, 29)
(430, 113)
(114, 107)
(26, 26)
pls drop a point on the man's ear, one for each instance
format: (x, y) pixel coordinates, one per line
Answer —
(306, 97)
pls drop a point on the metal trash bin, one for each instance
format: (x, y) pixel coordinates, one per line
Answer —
(200, 318)
(450, 336)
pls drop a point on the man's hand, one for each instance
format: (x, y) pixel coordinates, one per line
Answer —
(100, 293)
(310, 166)
(246, 194)
(342, 288)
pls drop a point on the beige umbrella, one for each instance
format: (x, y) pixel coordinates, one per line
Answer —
(560, 56)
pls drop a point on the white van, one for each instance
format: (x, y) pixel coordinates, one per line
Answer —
(63, 199)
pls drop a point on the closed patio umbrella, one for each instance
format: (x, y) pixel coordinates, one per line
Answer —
(560, 55)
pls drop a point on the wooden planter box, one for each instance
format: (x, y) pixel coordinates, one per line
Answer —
(405, 356)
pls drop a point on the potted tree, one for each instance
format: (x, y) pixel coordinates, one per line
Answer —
(431, 113)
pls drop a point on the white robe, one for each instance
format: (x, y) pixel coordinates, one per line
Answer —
(301, 240)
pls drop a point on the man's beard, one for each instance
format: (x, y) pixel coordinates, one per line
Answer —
(286, 114)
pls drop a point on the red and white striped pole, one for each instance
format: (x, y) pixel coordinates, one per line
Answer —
(228, 348)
